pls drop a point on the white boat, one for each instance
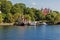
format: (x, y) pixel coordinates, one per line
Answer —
(33, 23)
(44, 23)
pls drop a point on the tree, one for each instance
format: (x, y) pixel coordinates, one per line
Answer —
(17, 16)
(27, 17)
(30, 12)
(15, 10)
(57, 19)
(18, 8)
(6, 6)
(39, 15)
(3, 0)
(9, 18)
(53, 17)
(1, 18)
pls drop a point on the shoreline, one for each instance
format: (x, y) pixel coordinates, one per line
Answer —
(12, 24)
(4, 24)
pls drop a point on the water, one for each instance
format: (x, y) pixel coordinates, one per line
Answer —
(43, 32)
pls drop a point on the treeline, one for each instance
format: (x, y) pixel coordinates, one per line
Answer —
(11, 13)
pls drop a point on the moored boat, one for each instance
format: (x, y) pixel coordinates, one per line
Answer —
(32, 24)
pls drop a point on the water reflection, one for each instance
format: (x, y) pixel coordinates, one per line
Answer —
(42, 32)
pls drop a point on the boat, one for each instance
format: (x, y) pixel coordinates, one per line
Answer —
(33, 23)
(42, 23)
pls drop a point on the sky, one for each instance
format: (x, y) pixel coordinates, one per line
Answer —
(51, 4)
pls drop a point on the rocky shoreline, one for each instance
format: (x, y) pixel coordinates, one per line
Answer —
(29, 24)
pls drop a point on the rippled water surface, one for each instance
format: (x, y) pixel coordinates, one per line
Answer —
(42, 32)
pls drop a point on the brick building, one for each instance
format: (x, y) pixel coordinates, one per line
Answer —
(45, 11)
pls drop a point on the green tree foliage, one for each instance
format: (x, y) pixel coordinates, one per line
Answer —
(30, 12)
(9, 18)
(15, 10)
(57, 19)
(18, 8)
(1, 18)
(3, 0)
(17, 16)
(53, 17)
(19, 11)
(39, 15)
(6, 6)
(28, 17)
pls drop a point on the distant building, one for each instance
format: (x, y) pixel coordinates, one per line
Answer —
(45, 11)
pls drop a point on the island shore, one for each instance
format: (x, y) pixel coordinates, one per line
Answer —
(12, 24)
(6, 24)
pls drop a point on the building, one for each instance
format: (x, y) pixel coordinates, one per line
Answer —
(45, 11)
